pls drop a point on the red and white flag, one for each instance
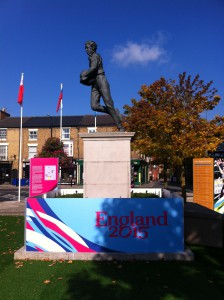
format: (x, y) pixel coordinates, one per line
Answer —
(60, 99)
(21, 91)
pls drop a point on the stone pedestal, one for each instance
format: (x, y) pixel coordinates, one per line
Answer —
(107, 157)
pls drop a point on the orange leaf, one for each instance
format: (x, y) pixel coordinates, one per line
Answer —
(46, 281)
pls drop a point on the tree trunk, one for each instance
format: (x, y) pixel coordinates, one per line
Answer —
(165, 174)
(183, 184)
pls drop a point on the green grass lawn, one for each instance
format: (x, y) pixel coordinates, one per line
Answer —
(31, 280)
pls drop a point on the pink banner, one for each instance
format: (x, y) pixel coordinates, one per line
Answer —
(43, 175)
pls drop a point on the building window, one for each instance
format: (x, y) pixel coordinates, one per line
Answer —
(68, 148)
(92, 129)
(3, 133)
(33, 134)
(66, 133)
(32, 150)
(3, 151)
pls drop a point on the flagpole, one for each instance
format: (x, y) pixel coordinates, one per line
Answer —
(20, 150)
(95, 120)
(20, 101)
(61, 106)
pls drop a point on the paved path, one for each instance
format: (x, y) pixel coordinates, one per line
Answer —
(9, 204)
(10, 208)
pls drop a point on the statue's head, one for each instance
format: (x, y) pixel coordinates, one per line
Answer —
(90, 47)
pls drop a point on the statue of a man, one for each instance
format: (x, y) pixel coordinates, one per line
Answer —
(95, 77)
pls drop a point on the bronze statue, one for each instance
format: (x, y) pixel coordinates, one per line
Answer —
(95, 77)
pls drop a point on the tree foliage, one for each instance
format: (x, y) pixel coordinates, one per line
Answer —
(168, 119)
(53, 147)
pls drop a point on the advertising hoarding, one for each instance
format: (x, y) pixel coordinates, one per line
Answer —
(43, 175)
(219, 185)
(132, 225)
(209, 182)
(203, 182)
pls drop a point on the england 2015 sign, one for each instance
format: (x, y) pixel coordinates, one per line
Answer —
(115, 225)
(126, 226)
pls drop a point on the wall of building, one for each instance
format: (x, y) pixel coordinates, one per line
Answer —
(13, 138)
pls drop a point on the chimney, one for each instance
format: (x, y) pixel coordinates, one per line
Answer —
(3, 114)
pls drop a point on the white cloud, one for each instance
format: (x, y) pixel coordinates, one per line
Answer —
(134, 53)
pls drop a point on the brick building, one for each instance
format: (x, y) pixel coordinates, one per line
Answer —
(36, 130)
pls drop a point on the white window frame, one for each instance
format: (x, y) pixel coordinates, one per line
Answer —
(6, 151)
(63, 133)
(30, 146)
(1, 135)
(92, 129)
(69, 146)
(31, 138)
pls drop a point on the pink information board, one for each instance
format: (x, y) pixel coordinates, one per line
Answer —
(43, 175)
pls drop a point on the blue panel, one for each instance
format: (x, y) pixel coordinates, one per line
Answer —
(133, 225)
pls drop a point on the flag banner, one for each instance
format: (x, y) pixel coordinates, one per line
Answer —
(60, 99)
(21, 91)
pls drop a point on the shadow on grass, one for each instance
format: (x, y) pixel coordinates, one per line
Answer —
(145, 280)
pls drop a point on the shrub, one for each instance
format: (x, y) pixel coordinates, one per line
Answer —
(133, 195)
(144, 195)
(70, 196)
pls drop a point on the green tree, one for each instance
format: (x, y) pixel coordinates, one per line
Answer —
(169, 123)
(53, 147)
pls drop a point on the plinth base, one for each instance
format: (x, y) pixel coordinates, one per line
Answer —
(107, 164)
(21, 254)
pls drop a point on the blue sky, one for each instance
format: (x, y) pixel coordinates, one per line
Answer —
(139, 40)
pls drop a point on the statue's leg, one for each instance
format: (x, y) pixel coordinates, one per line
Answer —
(109, 103)
(95, 100)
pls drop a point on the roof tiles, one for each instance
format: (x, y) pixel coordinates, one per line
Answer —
(52, 121)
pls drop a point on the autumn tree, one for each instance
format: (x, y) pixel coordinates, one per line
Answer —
(53, 147)
(169, 120)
